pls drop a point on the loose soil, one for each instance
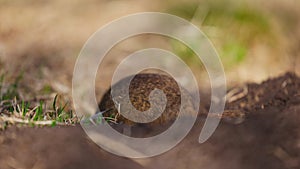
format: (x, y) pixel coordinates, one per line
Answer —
(269, 137)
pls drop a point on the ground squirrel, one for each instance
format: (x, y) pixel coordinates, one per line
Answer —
(139, 90)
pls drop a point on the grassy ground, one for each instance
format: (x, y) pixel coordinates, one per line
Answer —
(46, 108)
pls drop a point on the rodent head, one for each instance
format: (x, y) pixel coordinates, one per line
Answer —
(139, 89)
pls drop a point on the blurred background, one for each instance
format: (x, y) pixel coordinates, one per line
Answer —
(42, 39)
(256, 40)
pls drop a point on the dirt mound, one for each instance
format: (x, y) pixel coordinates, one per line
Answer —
(278, 92)
(271, 131)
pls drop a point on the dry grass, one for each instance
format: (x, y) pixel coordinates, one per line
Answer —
(46, 108)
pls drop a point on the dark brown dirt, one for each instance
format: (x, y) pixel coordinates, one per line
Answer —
(269, 138)
(278, 93)
(59, 147)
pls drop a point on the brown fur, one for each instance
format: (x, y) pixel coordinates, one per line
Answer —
(139, 90)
